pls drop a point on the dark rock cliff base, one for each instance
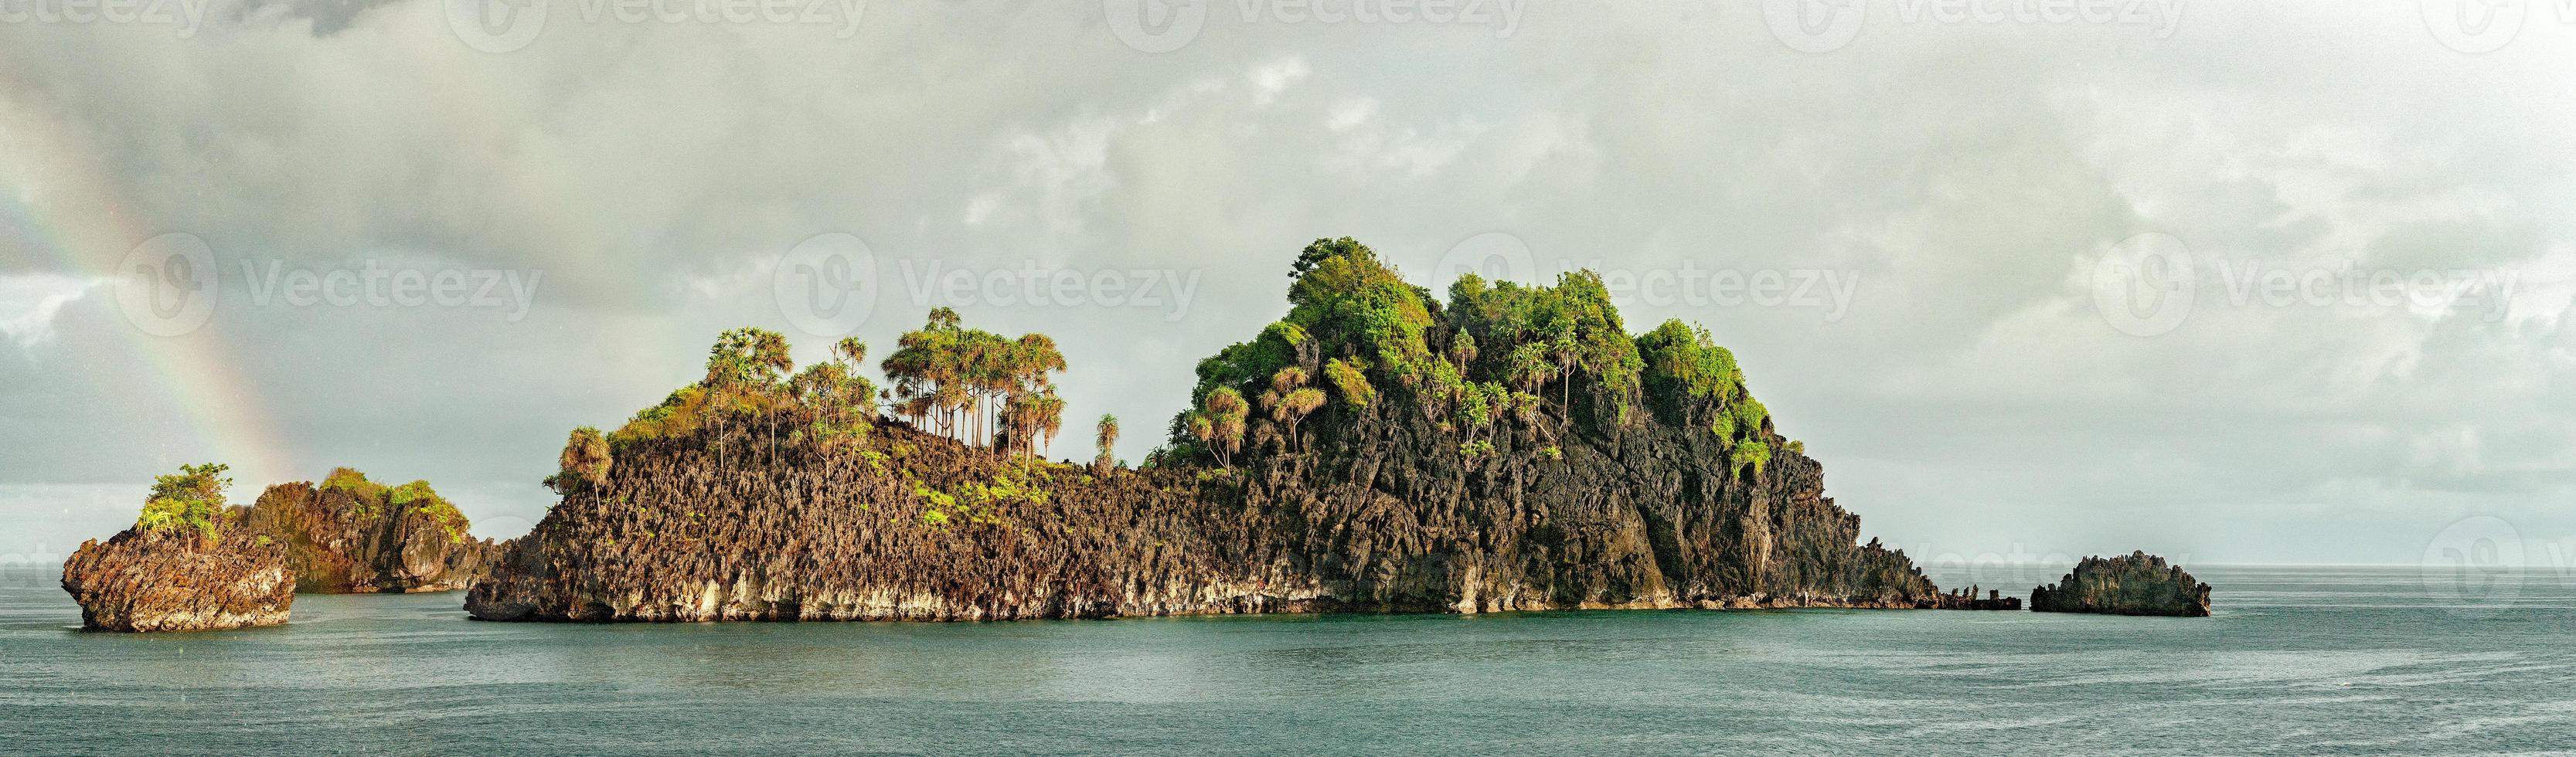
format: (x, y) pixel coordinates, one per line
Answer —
(2136, 584)
(179, 581)
(916, 527)
(358, 539)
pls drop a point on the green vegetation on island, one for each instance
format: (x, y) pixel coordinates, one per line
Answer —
(972, 385)
(1494, 357)
(190, 500)
(977, 386)
(1495, 354)
(372, 501)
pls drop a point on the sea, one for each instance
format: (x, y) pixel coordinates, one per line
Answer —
(2297, 660)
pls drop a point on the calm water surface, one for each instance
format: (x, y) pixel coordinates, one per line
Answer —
(2297, 661)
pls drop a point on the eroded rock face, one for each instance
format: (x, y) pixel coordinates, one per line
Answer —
(681, 533)
(344, 539)
(916, 527)
(2135, 584)
(1646, 514)
(180, 581)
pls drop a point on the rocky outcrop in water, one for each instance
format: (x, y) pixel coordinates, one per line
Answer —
(1393, 466)
(1967, 599)
(351, 535)
(1393, 518)
(921, 528)
(2135, 584)
(911, 527)
(180, 580)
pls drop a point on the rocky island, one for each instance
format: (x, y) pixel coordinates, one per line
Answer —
(1377, 449)
(2134, 584)
(188, 564)
(192, 562)
(351, 535)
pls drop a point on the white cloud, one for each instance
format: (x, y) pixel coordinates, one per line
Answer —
(30, 302)
(1269, 80)
(1350, 113)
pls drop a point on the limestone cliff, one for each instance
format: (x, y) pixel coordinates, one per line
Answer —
(918, 527)
(351, 535)
(908, 527)
(2134, 584)
(1393, 518)
(1514, 449)
(180, 580)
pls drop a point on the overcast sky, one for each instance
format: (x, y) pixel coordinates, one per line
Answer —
(2028, 279)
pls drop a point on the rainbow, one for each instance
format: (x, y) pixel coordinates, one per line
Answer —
(85, 225)
(68, 212)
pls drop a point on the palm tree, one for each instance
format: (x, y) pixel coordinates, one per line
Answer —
(1205, 431)
(852, 394)
(743, 368)
(1529, 367)
(990, 374)
(926, 368)
(951, 398)
(981, 388)
(1295, 407)
(1033, 360)
(1288, 400)
(1106, 438)
(770, 356)
(852, 350)
(747, 356)
(907, 370)
(1226, 413)
(584, 463)
(1044, 420)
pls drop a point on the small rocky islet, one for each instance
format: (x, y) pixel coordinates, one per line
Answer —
(1379, 449)
(188, 564)
(2133, 584)
(192, 561)
(349, 535)
(154, 581)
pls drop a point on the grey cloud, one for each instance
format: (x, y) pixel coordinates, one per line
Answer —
(1968, 175)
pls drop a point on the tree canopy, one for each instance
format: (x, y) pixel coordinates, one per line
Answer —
(190, 500)
(1495, 353)
(1496, 358)
(978, 386)
(750, 385)
(969, 384)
